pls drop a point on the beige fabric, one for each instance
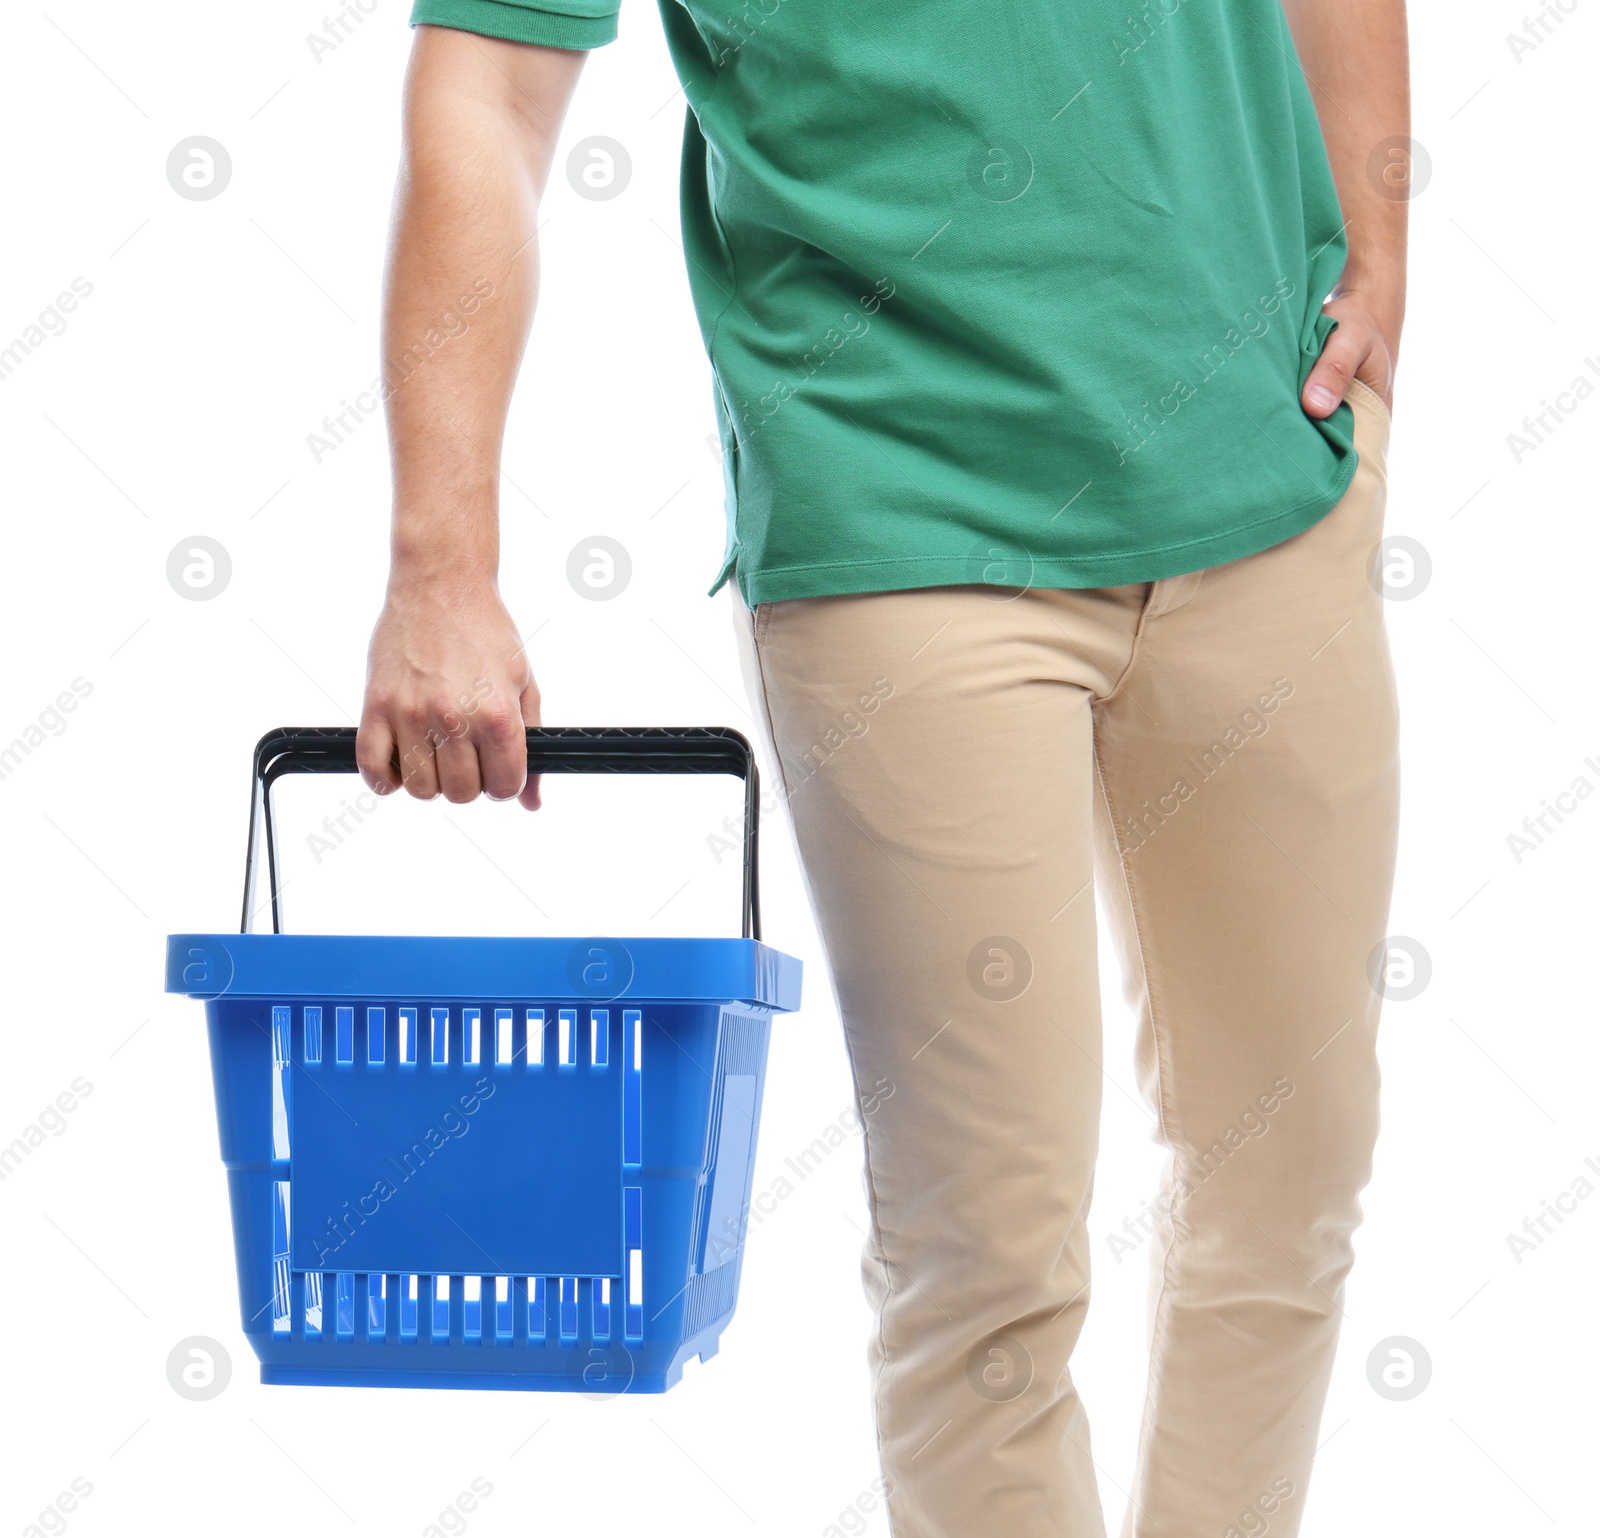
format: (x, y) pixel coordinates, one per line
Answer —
(1218, 751)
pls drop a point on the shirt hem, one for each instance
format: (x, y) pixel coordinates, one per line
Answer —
(516, 23)
(897, 573)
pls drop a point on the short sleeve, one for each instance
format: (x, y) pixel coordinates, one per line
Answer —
(559, 24)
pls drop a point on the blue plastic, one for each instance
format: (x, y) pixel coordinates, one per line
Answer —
(486, 1163)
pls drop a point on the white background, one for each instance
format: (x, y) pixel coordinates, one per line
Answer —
(178, 403)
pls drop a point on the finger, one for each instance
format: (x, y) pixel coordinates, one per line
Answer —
(457, 759)
(375, 755)
(530, 796)
(1329, 382)
(502, 752)
(418, 773)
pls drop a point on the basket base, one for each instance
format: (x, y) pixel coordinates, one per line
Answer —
(537, 1383)
(515, 1382)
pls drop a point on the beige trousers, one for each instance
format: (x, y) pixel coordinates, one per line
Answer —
(963, 765)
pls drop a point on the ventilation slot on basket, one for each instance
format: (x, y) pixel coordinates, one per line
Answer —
(280, 1257)
(375, 1028)
(632, 1103)
(280, 1081)
(566, 1037)
(439, 1037)
(471, 1032)
(503, 1049)
(599, 1037)
(311, 1032)
(344, 1305)
(633, 1240)
(344, 1033)
(408, 1036)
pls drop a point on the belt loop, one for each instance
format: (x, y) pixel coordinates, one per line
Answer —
(1169, 593)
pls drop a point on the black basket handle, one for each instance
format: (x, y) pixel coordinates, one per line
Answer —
(551, 750)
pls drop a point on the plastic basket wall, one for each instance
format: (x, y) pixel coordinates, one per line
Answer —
(517, 1190)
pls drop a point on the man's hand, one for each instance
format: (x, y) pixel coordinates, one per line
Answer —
(1358, 349)
(449, 692)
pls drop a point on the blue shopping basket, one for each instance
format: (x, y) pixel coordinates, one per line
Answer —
(488, 1163)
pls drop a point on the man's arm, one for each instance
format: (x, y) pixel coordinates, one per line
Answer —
(449, 688)
(1355, 59)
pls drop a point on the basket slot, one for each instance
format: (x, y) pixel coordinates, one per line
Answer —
(455, 1317)
(392, 1295)
(633, 1251)
(299, 1324)
(632, 1099)
(408, 1036)
(566, 1038)
(599, 1037)
(311, 1281)
(281, 1032)
(311, 1034)
(344, 1305)
(602, 1307)
(344, 1034)
(471, 1036)
(439, 1037)
(410, 1288)
(535, 1038)
(280, 1257)
(375, 1034)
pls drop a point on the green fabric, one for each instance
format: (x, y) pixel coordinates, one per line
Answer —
(577, 24)
(1018, 293)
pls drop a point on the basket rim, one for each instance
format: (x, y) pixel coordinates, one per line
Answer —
(596, 969)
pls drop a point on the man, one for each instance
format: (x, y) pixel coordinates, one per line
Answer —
(1053, 350)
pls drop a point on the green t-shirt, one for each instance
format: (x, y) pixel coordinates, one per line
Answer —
(1021, 293)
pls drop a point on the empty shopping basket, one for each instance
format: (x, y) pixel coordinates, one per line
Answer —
(488, 1163)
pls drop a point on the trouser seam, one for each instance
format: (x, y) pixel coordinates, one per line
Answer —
(876, 1229)
(1163, 1076)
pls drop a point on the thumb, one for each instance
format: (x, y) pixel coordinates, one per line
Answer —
(1329, 382)
(529, 702)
